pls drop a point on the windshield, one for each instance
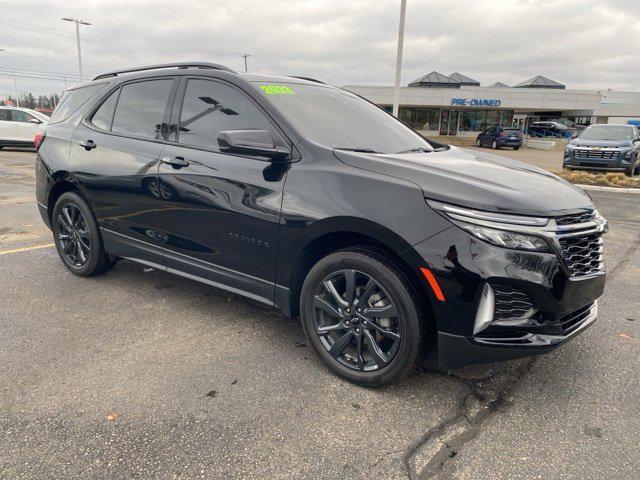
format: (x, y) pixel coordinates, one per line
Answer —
(339, 119)
(606, 132)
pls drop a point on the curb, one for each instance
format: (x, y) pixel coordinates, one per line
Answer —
(609, 189)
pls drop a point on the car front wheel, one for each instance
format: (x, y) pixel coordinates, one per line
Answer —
(361, 315)
(494, 145)
(478, 143)
(77, 237)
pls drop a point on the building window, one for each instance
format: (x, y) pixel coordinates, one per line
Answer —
(420, 118)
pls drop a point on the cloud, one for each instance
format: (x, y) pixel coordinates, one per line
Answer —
(585, 44)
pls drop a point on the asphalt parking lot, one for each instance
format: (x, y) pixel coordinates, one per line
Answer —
(141, 374)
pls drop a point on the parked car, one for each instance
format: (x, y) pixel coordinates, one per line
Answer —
(18, 126)
(497, 137)
(605, 147)
(309, 198)
(549, 129)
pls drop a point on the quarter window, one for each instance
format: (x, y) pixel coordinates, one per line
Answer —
(141, 108)
(210, 108)
(72, 100)
(104, 115)
(5, 116)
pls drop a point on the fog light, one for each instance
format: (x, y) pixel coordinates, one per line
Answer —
(484, 315)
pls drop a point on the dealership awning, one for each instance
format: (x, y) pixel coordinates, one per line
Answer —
(435, 80)
(540, 82)
(464, 80)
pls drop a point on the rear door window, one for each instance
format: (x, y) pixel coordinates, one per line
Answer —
(211, 107)
(72, 100)
(20, 116)
(103, 117)
(141, 107)
(5, 116)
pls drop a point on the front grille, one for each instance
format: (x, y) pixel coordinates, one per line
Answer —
(570, 322)
(583, 254)
(576, 218)
(511, 303)
(609, 154)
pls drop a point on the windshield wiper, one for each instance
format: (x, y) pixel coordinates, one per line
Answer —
(416, 149)
(356, 149)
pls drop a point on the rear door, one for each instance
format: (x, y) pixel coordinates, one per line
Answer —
(22, 127)
(115, 154)
(221, 211)
(5, 125)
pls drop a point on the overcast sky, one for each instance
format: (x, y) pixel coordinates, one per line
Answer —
(585, 44)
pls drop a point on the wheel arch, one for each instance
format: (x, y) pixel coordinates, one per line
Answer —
(366, 235)
(62, 182)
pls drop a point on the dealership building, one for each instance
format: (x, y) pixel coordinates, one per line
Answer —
(440, 104)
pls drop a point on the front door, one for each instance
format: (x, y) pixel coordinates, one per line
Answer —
(221, 211)
(114, 157)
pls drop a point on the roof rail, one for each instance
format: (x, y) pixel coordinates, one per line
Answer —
(309, 79)
(181, 65)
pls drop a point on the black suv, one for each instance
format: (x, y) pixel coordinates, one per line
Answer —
(309, 198)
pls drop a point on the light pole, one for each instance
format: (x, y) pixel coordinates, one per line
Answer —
(78, 23)
(15, 86)
(396, 88)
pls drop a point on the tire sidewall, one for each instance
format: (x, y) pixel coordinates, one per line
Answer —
(389, 279)
(96, 253)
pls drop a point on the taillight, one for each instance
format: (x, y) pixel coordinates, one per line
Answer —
(38, 139)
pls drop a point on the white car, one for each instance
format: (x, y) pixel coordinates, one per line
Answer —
(18, 126)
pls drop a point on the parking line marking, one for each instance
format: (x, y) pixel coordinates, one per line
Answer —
(26, 249)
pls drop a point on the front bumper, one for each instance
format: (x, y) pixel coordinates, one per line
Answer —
(455, 351)
(557, 304)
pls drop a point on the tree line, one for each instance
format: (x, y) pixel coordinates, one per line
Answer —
(28, 100)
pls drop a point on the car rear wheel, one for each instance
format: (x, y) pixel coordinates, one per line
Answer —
(361, 315)
(77, 237)
(516, 147)
(494, 145)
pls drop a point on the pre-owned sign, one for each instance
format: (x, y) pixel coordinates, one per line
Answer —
(476, 102)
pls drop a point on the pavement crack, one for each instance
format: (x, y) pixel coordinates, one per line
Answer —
(635, 246)
(427, 457)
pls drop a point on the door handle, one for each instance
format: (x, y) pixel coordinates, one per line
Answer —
(87, 144)
(175, 162)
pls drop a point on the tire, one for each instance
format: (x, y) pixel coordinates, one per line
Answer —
(494, 145)
(517, 147)
(392, 292)
(82, 239)
(478, 143)
(630, 171)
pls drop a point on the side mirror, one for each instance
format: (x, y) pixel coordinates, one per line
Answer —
(35, 120)
(251, 142)
(574, 135)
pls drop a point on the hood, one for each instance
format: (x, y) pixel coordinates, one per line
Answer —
(576, 142)
(477, 180)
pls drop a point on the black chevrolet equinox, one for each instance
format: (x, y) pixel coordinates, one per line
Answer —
(311, 199)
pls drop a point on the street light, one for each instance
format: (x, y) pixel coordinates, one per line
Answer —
(396, 88)
(78, 23)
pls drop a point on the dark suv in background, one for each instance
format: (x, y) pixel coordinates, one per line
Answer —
(605, 147)
(496, 137)
(309, 198)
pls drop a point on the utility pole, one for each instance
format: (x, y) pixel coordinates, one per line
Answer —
(396, 88)
(78, 23)
(245, 56)
(15, 87)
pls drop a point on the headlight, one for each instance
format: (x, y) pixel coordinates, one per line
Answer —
(500, 229)
(627, 155)
(503, 238)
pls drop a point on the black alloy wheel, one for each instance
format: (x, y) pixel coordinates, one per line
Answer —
(73, 235)
(77, 237)
(356, 320)
(362, 316)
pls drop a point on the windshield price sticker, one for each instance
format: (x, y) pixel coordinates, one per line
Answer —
(277, 90)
